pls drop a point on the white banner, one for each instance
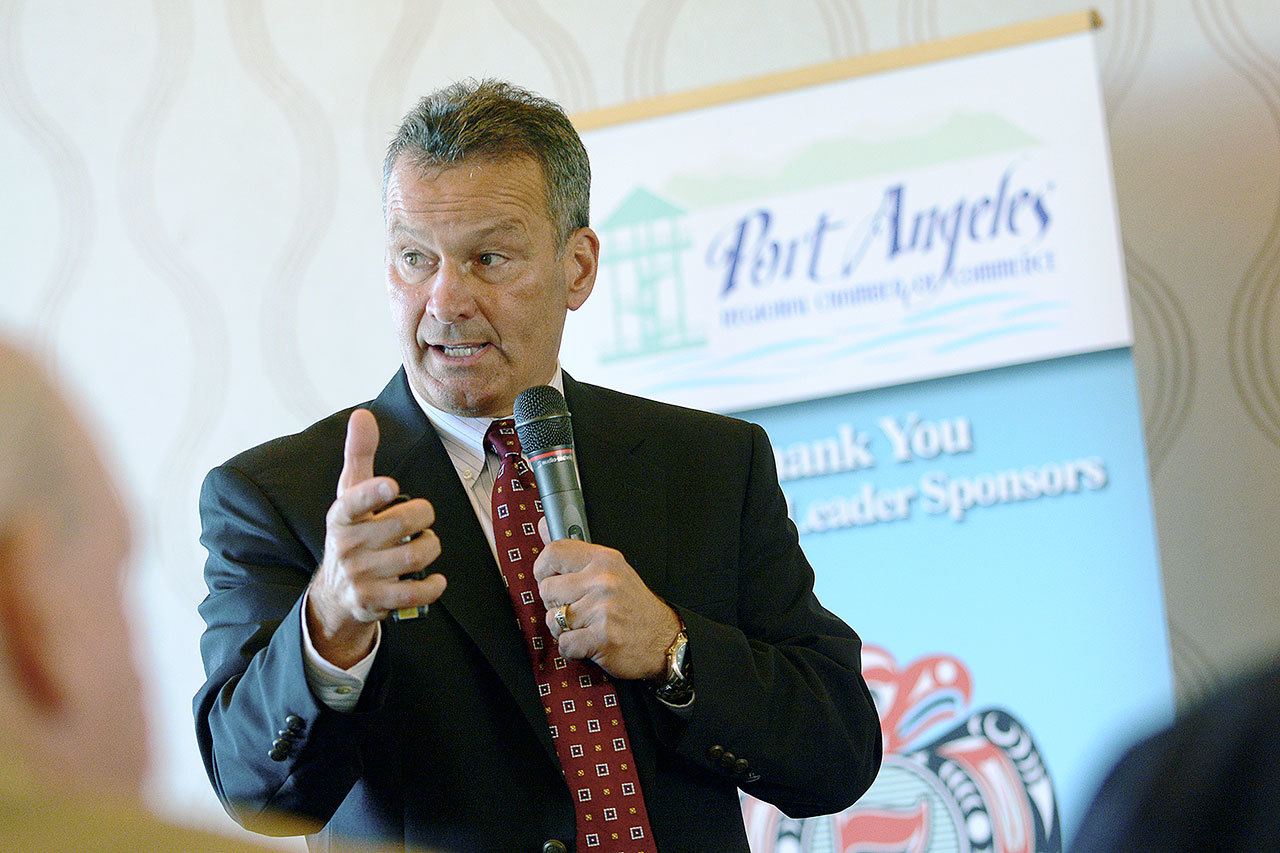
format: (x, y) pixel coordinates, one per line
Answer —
(916, 223)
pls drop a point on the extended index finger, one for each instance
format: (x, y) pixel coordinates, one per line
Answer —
(359, 449)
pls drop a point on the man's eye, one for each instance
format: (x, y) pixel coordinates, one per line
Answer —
(488, 259)
(411, 259)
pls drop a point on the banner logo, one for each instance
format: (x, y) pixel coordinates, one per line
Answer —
(979, 785)
(647, 240)
(848, 264)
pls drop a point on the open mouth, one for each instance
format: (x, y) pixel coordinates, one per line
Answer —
(459, 350)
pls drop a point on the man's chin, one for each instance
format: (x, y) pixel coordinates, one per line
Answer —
(463, 400)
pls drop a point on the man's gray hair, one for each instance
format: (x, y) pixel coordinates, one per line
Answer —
(476, 119)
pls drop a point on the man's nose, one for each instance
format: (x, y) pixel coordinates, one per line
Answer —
(452, 298)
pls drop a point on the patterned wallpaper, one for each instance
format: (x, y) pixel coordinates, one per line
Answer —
(190, 231)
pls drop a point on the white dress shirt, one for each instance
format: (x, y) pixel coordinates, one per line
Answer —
(463, 440)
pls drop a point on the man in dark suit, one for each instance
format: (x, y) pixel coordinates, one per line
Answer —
(692, 609)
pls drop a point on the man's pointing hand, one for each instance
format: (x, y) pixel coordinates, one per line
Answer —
(367, 548)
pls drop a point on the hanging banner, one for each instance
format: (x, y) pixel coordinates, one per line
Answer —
(855, 234)
(939, 237)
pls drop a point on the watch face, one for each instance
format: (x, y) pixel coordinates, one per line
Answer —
(676, 655)
(676, 690)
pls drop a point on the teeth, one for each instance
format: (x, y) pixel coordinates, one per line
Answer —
(460, 352)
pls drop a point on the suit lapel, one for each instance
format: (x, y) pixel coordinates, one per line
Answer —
(626, 510)
(623, 496)
(411, 451)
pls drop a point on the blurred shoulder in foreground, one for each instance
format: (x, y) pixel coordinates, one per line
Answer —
(1209, 782)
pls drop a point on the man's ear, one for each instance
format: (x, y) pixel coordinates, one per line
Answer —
(581, 262)
(23, 638)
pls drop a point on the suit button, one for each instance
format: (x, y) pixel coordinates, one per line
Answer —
(555, 845)
(727, 760)
(294, 723)
(740, 766)
(285, 733)
(282, 743)
(714, 753)
(278, 754)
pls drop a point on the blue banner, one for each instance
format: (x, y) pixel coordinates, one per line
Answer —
(989, 535)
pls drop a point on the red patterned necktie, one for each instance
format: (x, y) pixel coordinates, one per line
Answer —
(586, 722)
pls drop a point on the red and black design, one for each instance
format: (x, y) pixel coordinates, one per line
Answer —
(974, 787)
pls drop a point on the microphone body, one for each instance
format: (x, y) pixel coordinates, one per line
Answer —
(546, 438)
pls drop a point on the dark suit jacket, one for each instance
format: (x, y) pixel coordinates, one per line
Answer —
(1209, 782)
(448, 747)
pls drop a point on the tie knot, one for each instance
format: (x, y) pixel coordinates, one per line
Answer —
(502, 438)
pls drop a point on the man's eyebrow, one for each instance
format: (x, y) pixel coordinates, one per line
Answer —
(505, 225)
(499, 227)
(400, 227)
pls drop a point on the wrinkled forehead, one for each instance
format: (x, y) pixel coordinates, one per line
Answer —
(474, 227)
(480, 196)
(416, 166)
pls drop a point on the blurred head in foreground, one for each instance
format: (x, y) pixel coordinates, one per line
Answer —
(1210, 781)
(70, 707)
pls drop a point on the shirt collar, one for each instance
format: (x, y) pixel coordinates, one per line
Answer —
(466, 435)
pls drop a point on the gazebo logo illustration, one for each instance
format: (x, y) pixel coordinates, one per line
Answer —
(644, 275)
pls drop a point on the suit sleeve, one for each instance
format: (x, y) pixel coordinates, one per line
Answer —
(270, 747)
(780, 691)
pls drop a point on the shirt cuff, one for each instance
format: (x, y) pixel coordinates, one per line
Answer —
(337, 688)
(684, 711)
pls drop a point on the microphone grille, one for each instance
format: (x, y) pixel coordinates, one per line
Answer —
(542, 419)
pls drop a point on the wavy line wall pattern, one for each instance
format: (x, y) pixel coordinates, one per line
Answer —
(203, 392)
(845, 25)
(317, 181)
(918, 21)
(1161, 317)
(1251, 335)
(645, 48)
(1131, 29)
(558, 50)
(67, 171)
(391, 74)
(1192, 94)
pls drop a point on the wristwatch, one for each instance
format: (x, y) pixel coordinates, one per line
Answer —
(676, 689)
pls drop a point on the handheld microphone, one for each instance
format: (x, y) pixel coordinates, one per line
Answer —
(546, 438)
